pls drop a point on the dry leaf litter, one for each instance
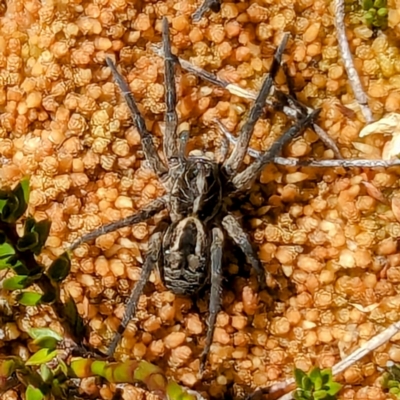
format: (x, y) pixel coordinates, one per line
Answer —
(329, 236)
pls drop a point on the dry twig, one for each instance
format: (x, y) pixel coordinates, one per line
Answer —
(344, 48)
(294, 162)
(351, 359)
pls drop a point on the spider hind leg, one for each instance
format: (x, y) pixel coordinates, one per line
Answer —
(216, 291)
(152, 260)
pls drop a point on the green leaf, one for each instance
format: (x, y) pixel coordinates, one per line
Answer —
(73, 318)
(58, 389)
(8, 210)
(46, 342)
(29, 225)
(36, 333)
(60, 268)
(306, 383)
(379, 3)
(383, 12)
(6, 250)
(5, 263)
(3, 202)
(299, 375)
(43, 229)
(367, 4)
(46, 373)
(29, 298)
(16, 282)
(176, 392)
(28, 241)
(297, 395)
(8, 366)
(395, 371)
(316, 378)
(22, 192)
(41, 357)
(32, 393)
(320, 394)
(62, 367)
(390, 384)
(18, 266)
(49, 297)
(334, 388)
(326, 375)
(36, 272)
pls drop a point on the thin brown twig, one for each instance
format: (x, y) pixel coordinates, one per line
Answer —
(366, 348)
(344, 48)
(294, 162)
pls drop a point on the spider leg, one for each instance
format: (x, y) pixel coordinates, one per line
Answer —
(244, 179)
(233, 163)
(153, 208)
(152, 259)
(171, 118)
(213, 5)
(241, 239)
(216, 289)
(149, 148)
(229, 138)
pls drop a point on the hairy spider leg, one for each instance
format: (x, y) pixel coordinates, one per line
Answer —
(151, 209)
(149, 148)
(213, 5)
(241, 239)
(215, 292)
(229, 138)
(244, 179)
(171, 146)
(153, 256)
(234, 162)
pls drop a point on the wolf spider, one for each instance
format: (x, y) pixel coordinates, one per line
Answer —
(188, 246)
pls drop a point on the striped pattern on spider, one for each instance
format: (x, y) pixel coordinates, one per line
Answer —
(187, 247)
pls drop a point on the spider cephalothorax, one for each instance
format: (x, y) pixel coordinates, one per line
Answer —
(187, 247)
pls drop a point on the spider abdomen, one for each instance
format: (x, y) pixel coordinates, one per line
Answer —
(185, 246)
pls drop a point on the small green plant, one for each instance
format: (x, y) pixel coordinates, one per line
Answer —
(376, 13)
(50, 371)
(391, 381)
(46, 374)
(17, 254)
(317, 384)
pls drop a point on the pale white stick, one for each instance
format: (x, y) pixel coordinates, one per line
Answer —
(293, 162)
(344, 48)
(366, 348)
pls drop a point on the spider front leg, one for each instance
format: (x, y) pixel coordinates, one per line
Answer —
(241, 239)
(152, 259)
(216, 291)
(171, 145)
(244, 179)
(149, 148)
(233, 163)
(152, 209)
